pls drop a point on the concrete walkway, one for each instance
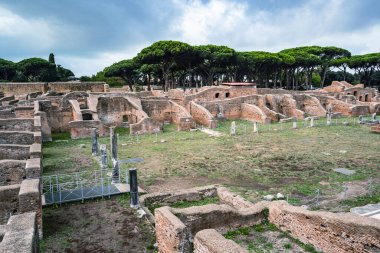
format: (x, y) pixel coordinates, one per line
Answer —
(371, 210)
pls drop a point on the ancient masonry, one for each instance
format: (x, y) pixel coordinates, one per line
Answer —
(31, 112)
(199, 228)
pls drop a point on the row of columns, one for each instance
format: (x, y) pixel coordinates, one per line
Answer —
(134, 200)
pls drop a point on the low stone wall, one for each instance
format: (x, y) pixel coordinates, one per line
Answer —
(253, 113)
(12, 172)
(162, 109)
(24, 111)
(8, 201)
(14, 152)
(82, 129)
(13, 137)
(330, 232)
(20, 234)
(145, 125)
(29, 198)
(181, 117)
(210, 241)
(175, 228)
(202, 116)
(10, 89)
(310, 105)
(76, 86)
(7, 113)
(18, 124)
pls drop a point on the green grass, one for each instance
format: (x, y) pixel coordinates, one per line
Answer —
(259, 242)
(185, 204)
(292, 162)
(205, 201)
(362, 200)
(241, 231)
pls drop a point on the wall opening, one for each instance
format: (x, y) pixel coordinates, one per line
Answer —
(87, 116)
(355, 93)
(227, 95)
(366, 97)
(360, 98)
(216, 95)
(125, 118)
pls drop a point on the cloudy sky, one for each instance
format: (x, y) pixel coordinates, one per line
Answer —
(88, 35)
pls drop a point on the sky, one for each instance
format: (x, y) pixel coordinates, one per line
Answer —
(88, 35)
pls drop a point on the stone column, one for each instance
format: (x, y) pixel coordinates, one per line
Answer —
(233, 128)
(95, 144)
(312, 122)
(113, 139)
(115, 171)
(103, 156)
(134, 190)
(255, 127)
(294, 123)
(115, 162)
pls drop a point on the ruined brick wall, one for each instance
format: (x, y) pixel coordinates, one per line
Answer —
(202, 116)
(24, 111)
(8, 201)
(12, 172)
(210, 241)
(176, 228)
(172, 236)
(145, 125)
(15, 152)
(342, 107)
(112, 109)
(310, 105)
(7, 113)
(76, 86)
(17, 124)
(253, 113)
(283, 104)
(264, 91)
(230, 108)
(336, 87)
(157, 109)
(220, 93)
(181, 117)
(82, 129)
(16, 137)
(330, 232)
(20, 234)
(10, 89)
(361, 94)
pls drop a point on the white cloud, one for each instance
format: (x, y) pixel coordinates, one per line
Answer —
(234, 24)
(200, 22)
(35, 32)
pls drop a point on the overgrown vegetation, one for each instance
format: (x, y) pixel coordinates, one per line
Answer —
(266, 237)
(184, 203)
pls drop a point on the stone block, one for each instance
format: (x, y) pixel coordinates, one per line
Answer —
(20, 234)
(37, 137)
(33, 168)
(210, 241)
(29, 195)
(36, 150)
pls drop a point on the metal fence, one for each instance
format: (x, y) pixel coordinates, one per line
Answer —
(57, 189)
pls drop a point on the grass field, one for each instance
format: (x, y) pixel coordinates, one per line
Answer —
(295, 162)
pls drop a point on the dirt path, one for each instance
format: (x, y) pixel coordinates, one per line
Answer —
(95, 226)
